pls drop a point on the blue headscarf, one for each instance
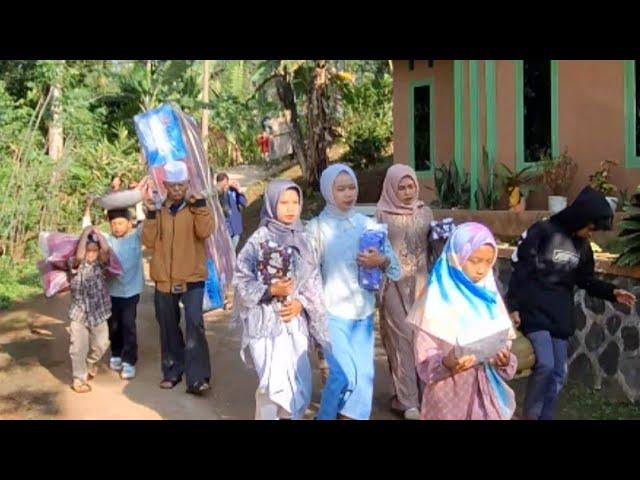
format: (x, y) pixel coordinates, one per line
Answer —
(327, 178)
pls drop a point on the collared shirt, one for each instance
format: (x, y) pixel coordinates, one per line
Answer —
(90, 301)
(128, 249)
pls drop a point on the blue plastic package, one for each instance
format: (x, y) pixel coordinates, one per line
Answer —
(212, 296)
(371, 278)
(160, 135)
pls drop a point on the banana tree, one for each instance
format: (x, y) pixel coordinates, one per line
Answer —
(282, 72)
(311, 80)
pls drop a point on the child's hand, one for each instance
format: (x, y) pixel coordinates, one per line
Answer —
(457, 365)
(502, 358)
(371, 258)
(290, 309)
(281, 288)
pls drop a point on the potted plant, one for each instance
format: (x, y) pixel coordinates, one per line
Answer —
(488, 193)
(600, 181)
(558, 174)
(630, 228)
(516, 185)
(452, 186)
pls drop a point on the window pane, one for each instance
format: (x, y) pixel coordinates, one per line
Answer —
(537, 109)
(422, 127)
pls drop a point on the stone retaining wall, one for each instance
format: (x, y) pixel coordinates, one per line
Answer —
(605, 351)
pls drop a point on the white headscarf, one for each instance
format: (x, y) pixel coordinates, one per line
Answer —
(327, 178)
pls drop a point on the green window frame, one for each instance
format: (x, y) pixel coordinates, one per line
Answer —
(432, 126)
(632, 160)
(519, 80)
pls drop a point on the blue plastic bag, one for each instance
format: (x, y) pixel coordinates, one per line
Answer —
(212, 294)
(160, 136)
(371, 278)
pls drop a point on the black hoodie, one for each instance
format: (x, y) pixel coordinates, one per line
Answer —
(550, 261)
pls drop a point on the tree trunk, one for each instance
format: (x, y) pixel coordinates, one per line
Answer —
(318, 124)
(56, 136)
(287, 99)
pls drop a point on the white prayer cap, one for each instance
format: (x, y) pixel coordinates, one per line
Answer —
(176, 171)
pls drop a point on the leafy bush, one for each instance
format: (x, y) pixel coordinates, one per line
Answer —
(367, 123)
(18, 281)
(630, 234)
(452, 186)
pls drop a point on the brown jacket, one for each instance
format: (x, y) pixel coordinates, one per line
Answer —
(178, 244)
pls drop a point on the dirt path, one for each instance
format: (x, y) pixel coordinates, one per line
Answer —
(35, 372)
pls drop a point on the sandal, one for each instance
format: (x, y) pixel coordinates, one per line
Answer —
(168, 384)
(198, 388)
(81, 387)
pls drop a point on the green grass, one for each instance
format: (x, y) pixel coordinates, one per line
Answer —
(581, 403)
(578, 402)
(18, 281)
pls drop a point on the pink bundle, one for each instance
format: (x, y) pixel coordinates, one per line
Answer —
(57, 249)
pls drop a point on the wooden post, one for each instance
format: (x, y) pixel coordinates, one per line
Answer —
(55, 135)
(205, 111)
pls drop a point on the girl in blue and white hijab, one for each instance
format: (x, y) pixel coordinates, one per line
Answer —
(461, 306)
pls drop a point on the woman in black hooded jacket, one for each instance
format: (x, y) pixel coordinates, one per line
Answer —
(552, 258)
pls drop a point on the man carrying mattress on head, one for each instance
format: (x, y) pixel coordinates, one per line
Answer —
(176, 234)
(125, 289)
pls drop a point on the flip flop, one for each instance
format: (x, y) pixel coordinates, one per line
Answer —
(81, 387)
(168, 384)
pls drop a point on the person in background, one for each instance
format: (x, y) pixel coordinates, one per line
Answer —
(116, 183)
(264, 143)
(232, 201)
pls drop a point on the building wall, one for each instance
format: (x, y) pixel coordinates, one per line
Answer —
(442, 77)
(590, 117)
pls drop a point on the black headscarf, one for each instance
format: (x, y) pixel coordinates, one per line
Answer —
(590, 206)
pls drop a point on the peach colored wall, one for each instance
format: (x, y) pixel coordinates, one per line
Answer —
(590, 113)
(591, 118)
(442, 76)
(505, 113)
